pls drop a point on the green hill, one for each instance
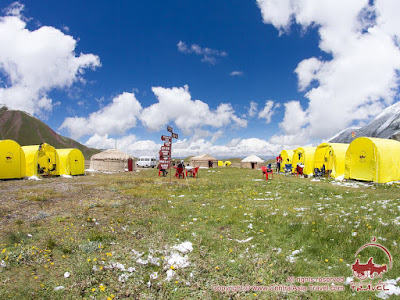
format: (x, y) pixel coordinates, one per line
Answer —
(27, 130)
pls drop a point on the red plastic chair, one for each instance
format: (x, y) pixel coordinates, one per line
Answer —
(179, 172)
(267, 171)
(299, 170)
(195, 171)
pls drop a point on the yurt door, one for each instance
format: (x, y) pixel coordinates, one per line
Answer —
(130, 165)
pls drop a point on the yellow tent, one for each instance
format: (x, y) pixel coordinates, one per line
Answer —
(12, 160)
(220, 163)
(331, 155)
(305, 156)
(227, 163)
(70, 162)
(40, 160)
(287, 156)
(373, 159)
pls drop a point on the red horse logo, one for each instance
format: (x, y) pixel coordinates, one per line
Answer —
(363, 271)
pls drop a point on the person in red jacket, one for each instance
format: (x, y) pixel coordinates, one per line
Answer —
(278, 163)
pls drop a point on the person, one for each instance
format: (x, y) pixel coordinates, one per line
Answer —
(164, 172)
(181, 164)
(278, 163)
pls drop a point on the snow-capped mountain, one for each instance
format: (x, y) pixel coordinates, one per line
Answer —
(385, 125)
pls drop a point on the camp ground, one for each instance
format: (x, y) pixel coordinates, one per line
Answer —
(331, 156)
(70, 162)
(12, 160)
(304, 156)
(40, 160)
(287, 156)
(373, 159)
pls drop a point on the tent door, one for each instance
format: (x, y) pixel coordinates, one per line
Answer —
(253, 165)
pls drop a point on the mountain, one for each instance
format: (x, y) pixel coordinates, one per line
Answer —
(386, 125)
(27, 130)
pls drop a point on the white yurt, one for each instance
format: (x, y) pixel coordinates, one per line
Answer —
(252, 162)
(112, 160)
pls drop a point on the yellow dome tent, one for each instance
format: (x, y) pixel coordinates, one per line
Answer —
(70, 162)
(12, 160)
(220, 163)
(305, 156)
(287, 156)
(373, 159)
(332, 155)
(40, 160)
(227, 163)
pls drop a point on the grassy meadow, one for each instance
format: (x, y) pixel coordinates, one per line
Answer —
(117, 236)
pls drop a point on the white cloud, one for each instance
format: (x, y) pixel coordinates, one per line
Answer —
(209, 55)
(36, 62)
(253, 109)
(236, 73)
(234, 148)
(362, 76)
(176, 106)
(268, 111)
(128, 144)
(115, 118)
(184, 147)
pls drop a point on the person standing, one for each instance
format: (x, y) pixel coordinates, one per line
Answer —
(278, 163)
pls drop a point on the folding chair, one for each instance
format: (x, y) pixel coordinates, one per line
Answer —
(319, 172)
(288, 169)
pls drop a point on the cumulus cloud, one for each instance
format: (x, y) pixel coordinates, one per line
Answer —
(268, 111)
(234, 148)
(360, 79)
(176, 106)
(187, 147)
(208, 55)
(115, 118)
(36, 62)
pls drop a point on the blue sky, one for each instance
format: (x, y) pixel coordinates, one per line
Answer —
(134, 47)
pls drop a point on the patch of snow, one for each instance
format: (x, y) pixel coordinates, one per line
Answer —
(291, 258)
(242, 241)
(34, 178)
(58, 288)
(185, 247)
(176, 260)
(67, 274)
(349, 280)
(3, 264)
(250, 226)
(66, 176)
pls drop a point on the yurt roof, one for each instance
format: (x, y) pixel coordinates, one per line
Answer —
(203, 157)
(252, 158)
(114, 154)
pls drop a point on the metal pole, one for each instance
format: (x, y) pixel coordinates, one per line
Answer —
(170, 161)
